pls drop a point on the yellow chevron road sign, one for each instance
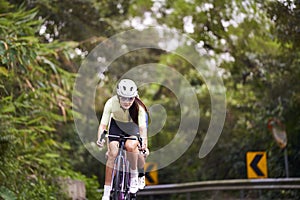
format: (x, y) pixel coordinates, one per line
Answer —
(151, 173)
(257, 165)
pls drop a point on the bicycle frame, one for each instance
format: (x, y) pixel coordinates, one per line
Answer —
(121, 172)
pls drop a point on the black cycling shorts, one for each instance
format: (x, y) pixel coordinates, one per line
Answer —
(122, 128)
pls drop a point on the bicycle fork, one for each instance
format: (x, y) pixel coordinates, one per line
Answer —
(121, 169)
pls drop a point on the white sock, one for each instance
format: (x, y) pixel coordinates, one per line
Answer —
(107, 189)
(134, 173)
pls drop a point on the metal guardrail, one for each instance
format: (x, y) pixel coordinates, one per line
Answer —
(219, 185)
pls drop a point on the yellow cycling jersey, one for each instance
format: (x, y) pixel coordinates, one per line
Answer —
(112, 108)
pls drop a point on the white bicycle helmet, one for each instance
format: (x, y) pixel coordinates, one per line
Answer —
(127, 88)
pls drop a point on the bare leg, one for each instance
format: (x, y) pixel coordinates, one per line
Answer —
(132, 152)
(141, 161)
(132, 155)
(113, 151)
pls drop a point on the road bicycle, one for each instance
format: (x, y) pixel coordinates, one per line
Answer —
(121, 170)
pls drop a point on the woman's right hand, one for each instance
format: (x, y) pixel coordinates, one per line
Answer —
(101, 136)
(100, 142)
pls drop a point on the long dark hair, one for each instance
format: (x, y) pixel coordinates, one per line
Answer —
(134, 110)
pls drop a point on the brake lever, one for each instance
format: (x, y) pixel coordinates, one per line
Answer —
(103, 135)
(141, 142)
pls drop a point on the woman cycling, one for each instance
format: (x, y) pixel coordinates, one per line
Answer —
(125, 114)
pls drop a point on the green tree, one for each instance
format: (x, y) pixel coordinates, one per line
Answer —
(35, 101)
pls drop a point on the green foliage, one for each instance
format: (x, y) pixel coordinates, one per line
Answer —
(35, 101)
(6, 194)
(286, 18)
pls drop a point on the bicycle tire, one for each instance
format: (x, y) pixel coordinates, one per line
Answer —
(132, 197)
(127, 181)
(127, 175)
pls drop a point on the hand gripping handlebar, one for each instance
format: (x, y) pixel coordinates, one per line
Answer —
(140, 140)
